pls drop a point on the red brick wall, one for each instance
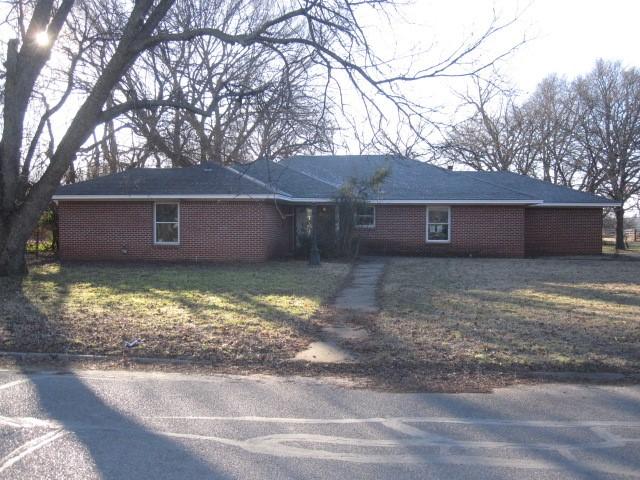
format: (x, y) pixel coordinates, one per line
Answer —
(278, 231)
(563, 231)
(254, 231)
(475, 230)
(209, 231)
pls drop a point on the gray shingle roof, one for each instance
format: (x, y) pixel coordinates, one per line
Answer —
(200, 180)
(407, 179)
(319, 177)
(279, 177)
(546, 191)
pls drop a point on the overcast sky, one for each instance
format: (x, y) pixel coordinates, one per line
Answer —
(563, 36)
(568, 35)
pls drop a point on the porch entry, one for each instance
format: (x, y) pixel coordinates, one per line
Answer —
(327, 226)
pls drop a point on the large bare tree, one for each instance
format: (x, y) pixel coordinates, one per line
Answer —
(552, 115)
(495, 135)
(609, 133)
(249, 102)
(70, 74)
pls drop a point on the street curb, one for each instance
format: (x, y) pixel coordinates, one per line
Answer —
(100, 358)
(568, 376)
(585, 376)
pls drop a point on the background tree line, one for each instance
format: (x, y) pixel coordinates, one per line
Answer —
(584, 133)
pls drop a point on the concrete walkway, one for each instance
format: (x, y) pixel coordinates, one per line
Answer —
(324, 351)
(360, 294)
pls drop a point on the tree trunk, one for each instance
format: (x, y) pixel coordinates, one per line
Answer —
(620, 245)
(12, 248)
(17, 224)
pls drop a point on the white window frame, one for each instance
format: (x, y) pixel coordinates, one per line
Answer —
(155, 224)
(372, 225)
(439, 207)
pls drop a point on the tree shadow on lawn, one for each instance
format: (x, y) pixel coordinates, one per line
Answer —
(617, 296)
(199, 317)
(562, 332)
(407, 354)
(119, 446)
(29, 329)
(543, 323)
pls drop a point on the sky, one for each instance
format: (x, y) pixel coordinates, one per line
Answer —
(562, 36)
(567, 36)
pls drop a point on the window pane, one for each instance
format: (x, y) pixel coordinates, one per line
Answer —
(365, 216)
(365, 210)
(166, 232)
(166, 212)
(438, 215)
(439, 231)
(364, 220)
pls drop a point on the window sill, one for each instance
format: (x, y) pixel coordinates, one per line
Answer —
(439, 241)
(165, 245)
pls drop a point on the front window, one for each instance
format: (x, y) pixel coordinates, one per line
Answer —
(366, 216)
(167, 223)
(438, 224)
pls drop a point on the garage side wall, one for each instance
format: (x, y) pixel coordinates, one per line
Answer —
(210, 231)
(492, 231)
(563, 231)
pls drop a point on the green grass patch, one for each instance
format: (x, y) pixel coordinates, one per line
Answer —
(42, 246)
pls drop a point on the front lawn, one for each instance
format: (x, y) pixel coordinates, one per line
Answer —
(540, 314)
(247, 313)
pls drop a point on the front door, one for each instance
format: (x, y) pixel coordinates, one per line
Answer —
(326, 229)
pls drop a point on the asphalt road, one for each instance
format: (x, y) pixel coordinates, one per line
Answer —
(119, 425)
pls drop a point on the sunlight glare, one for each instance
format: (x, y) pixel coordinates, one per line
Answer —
(42, 39)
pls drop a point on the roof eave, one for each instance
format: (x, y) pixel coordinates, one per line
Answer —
(260, 196)
(580, 204)
(456, 202)
(290, 199)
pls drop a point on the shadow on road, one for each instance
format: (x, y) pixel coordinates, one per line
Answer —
(119, 446)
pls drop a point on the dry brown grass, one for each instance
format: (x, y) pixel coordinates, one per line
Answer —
(552, 314)
(231, 313)
(609, 247)
(447, 324)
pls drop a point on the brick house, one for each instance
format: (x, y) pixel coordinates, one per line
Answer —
(262, 210)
